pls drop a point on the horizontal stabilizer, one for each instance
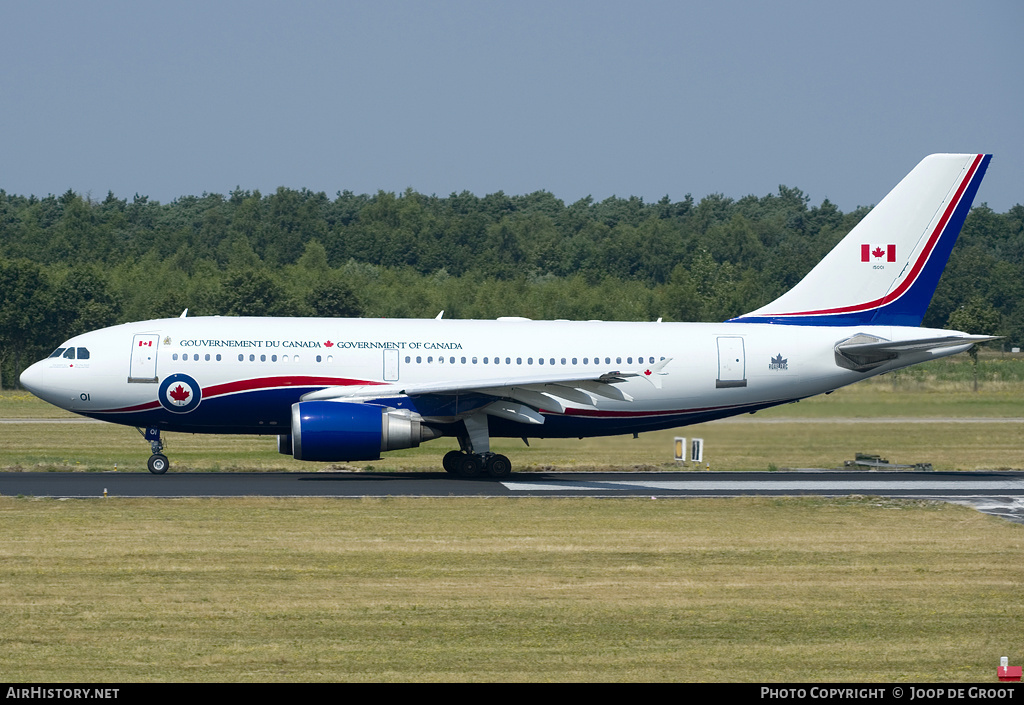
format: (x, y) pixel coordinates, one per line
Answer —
(904, 346)
(864, 352)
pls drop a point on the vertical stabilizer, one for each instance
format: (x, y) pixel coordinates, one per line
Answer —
(884, 272)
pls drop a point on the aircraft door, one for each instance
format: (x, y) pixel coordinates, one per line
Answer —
(390, 365)
(732, 366)
(143, 364)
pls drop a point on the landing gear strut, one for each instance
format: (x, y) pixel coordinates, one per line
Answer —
(158, 462)
(476, 457)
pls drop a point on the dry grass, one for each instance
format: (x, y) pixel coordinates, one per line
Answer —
(506, 590)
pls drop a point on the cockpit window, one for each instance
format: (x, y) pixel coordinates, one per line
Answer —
(69, 354)
(83, 353)
(57, 353)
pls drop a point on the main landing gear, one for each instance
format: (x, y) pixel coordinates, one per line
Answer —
(158, 462)
(463, 464)
(476, 458)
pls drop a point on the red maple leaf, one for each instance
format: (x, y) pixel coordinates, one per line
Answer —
(328, 344)
(878, 252)
(179, 394)
(647, 372)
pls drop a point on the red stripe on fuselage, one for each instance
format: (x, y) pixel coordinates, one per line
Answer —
(246, 385)
(249, 385)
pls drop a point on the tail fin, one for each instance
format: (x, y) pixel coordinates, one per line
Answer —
(884, 272)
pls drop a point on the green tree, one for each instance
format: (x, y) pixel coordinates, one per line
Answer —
(979, 317)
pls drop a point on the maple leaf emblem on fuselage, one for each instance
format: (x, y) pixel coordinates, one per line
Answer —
(779, 363)
(878, 252)
(179, 394)
(328, 344)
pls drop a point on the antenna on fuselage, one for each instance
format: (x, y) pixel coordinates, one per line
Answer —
(439, 316)
(183, 313)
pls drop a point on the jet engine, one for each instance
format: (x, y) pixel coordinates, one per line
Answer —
(328, 431)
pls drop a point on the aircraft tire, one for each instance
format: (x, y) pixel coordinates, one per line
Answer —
(450, 461)
(499, 467)
(158, 464)
(468, 465)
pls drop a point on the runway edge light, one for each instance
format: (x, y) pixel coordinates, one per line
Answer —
(1007, 672)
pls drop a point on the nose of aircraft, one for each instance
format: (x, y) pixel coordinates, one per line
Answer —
(40, 380)
(32, 378)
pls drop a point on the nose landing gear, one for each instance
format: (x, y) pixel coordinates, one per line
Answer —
(158, 462)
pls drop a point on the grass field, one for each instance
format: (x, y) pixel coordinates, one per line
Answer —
(797, 590)
(613, 590)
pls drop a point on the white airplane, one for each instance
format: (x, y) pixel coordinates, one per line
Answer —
(349, 389)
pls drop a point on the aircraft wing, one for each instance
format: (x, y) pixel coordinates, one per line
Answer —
(551, 392)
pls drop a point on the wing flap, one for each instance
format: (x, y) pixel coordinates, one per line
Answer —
(574, 388)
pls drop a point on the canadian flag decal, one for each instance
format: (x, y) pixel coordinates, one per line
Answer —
(875, 253)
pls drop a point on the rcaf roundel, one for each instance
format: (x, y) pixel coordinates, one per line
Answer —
(180, 393)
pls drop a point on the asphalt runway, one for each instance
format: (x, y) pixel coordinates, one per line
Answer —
(999, 493)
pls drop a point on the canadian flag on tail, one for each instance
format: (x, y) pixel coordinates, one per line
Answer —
(875, 253)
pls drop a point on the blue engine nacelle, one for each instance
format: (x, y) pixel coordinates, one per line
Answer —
(327, 431)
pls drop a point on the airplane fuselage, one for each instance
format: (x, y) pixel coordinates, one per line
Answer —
(242, 375)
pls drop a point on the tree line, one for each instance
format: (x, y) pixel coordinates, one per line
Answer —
(70, 263)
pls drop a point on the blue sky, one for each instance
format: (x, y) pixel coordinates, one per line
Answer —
(578, 98)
